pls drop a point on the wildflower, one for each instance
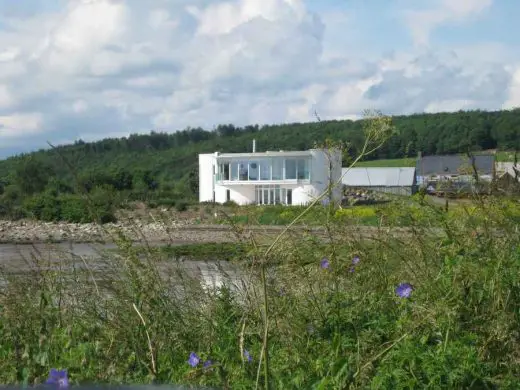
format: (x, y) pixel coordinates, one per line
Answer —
(193, 360)
(248, 356)
(58, 378)
(324, 264)
(351, 269)
(356, 260)
(207, 363)
(404, 290)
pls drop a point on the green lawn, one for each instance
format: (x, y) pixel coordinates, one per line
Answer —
(502, 156)
(398, 162)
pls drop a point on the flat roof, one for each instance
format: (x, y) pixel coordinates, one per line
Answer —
(302, 153)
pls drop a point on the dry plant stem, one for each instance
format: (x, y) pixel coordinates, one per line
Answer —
(319, 198)
(91, 274)
(264, 356)
(154, 371)
(379, 355)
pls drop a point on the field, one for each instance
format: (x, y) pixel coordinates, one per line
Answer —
(389, 313)
(501, 156)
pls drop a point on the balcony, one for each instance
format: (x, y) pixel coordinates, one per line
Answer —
(263, 171)
(221, 181)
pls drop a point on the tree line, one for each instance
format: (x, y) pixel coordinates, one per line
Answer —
(161, 169)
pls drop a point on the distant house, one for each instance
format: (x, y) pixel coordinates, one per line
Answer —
(392, 180)
(454, 168)
(267, 178)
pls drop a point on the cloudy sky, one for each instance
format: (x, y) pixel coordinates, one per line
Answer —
(90, 69)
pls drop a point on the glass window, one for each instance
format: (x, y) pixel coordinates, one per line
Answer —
(265, 170)
(253, 170)
(289, 196)
(224, 171)
(290, 169)
(242, 171)
(303, 169)
(234, 171)
(277, 168)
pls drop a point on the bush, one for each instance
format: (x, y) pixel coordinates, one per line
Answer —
(45, 207)
(181, 206)
(74, 208)
(99, 207)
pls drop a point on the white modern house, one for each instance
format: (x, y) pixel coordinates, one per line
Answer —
(280, 177)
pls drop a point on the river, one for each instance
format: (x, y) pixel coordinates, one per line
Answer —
(22, 258)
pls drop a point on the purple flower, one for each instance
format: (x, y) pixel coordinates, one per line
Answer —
(356, 260)
(58, 378)
(193, 360)
(404, 290)
(324, 263)
(351, 269)
(207, 363)
(248, 356)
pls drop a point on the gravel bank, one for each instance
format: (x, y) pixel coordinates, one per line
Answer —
(27, 231)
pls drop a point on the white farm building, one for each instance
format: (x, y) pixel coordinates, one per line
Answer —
(280, 177)
(392, 180)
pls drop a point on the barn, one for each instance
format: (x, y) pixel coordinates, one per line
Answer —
(390, 180)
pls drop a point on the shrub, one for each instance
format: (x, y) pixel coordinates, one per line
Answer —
(181, 206)
(45, 207)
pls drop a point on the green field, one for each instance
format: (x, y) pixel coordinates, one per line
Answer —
(410, 162)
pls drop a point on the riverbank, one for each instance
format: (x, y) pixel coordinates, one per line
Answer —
(30, 232)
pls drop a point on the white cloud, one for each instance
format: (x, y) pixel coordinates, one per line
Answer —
(99, 67)
(513, 100)
(19, 125)
(79, 106)
(6, 98)
(87, 28)
(423, 22)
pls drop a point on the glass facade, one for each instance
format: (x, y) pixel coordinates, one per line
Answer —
(268, 169)
(273, 194)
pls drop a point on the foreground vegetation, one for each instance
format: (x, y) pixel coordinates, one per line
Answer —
(333, 314)
(161, 169)
(434, 306)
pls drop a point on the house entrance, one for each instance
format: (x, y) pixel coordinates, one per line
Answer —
(272, 195)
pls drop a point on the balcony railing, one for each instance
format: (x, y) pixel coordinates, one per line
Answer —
(220, 179)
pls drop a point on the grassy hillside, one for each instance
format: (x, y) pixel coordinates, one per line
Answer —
(501, 156)
(161, 168)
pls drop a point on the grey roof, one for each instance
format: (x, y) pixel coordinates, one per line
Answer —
(379, 177)
(453, 164)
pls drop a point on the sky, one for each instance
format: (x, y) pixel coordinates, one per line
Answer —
(91, 69)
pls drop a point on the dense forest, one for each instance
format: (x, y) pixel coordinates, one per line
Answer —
(65, 182)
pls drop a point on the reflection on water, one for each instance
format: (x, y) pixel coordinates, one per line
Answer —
(99, 260)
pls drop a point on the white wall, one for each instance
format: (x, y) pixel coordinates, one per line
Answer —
(206, 162)
(320, 175)
(241, 194)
